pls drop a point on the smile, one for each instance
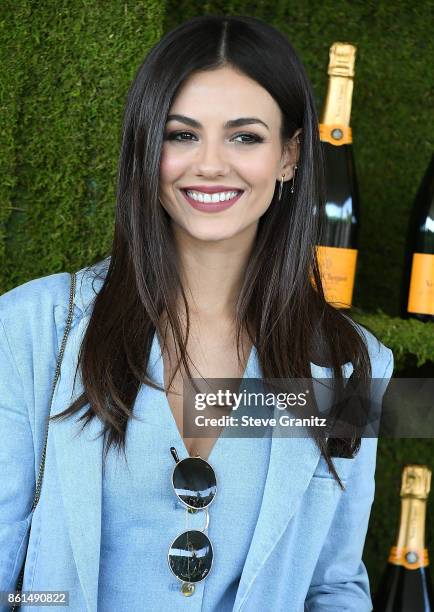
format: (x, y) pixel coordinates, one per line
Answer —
(211, 202)
(200, 196)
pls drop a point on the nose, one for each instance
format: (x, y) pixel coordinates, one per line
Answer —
(211, 159)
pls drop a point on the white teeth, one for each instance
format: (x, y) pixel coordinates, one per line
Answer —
(199, 196)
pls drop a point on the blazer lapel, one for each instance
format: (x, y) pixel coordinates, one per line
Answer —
(292, 464)
(79, 460)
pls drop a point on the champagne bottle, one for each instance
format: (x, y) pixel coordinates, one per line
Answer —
(406, 585)
(418, 294)
(337, 249)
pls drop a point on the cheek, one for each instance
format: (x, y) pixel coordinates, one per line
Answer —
(258, 170)
(171, 165)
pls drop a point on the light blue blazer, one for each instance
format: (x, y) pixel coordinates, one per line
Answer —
(305, 554)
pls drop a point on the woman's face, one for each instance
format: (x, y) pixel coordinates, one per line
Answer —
(203, 152)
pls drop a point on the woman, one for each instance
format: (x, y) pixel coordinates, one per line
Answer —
(192, 288)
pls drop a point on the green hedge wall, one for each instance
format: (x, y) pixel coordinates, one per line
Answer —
(65, 68)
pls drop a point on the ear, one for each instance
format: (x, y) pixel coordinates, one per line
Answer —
(290, 155)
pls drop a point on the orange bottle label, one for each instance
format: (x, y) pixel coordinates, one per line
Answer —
(335, 134)
(409, 558)
(421, 292)
(338, 268)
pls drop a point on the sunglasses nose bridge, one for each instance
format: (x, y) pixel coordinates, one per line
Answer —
(205, 527)
(196, 528)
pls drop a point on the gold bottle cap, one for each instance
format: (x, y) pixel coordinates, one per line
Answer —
(416, 481)
(342, 59)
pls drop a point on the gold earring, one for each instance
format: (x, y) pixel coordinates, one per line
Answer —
(293, 179)
(281, 186)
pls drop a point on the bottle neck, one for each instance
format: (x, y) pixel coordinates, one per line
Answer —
(410, 550)
(334, 126)
(412, 525)
(337, 107)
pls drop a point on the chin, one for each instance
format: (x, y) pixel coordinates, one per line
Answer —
(213, 232)
(212, 235)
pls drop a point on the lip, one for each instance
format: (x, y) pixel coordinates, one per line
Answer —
(212, 207)
(211, 188)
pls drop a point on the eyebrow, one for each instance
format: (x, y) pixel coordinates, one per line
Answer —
(229, 124)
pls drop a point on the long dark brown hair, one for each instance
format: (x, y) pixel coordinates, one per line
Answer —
(286, 317)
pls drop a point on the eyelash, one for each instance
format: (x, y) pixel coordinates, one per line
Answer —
(255, 137)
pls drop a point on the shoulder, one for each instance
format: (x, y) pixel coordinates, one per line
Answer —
(53, 290)
(381, 357)
(32, 312)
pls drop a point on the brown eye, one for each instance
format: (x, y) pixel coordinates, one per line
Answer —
(177, 136)
(254, 138)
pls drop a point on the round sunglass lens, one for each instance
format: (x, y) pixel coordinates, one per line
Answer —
(194, 482)
(190, 556)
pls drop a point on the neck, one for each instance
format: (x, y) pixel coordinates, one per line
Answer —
(212, 272)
